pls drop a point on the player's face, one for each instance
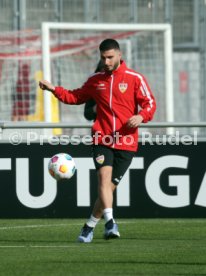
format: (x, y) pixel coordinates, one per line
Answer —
(110, 59)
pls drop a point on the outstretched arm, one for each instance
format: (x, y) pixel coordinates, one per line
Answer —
(76, 96)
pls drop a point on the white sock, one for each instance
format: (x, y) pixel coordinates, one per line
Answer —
(108, 214)
(92, 221)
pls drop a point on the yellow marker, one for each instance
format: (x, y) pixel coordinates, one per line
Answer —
(39, 106)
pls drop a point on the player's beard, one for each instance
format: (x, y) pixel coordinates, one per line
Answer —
(116, 65)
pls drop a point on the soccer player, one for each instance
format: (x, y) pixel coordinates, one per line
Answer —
(118, 92)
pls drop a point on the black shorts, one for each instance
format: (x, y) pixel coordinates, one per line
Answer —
(120, 160)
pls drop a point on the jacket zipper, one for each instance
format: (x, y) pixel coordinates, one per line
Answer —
(110, 105)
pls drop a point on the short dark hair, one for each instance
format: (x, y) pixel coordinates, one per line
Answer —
(108, 44)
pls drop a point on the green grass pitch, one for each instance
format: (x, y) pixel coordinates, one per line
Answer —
(146, 247)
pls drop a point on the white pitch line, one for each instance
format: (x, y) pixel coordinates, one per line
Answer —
(37, 246)
(12, 246)
(51, 225)
(37, 226)
(53, 246)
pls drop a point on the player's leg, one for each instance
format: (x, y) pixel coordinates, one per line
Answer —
(105, 194)
(105, 186)
(98, 208)
(122, 161)
(103, 159)
(109, 178)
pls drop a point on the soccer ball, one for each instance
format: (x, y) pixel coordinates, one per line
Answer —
(61, 166)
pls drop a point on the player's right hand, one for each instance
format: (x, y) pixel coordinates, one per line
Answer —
(45, 85)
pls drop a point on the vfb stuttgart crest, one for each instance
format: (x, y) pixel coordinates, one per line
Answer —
(123, 87)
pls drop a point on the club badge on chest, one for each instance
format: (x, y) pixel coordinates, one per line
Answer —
(123, 87)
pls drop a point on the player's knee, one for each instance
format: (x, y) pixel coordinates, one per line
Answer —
(105, 173)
